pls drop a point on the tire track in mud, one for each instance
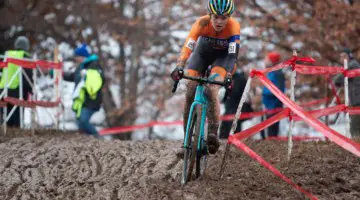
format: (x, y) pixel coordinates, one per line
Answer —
(12, 191)
(71, 166)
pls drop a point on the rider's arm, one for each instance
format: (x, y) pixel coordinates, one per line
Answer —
(234, 43)
(189, 44)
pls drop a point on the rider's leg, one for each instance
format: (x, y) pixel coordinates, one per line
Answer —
(213, 114)
(199, 61)
(224, 63)
(189, 98)
(214, 108)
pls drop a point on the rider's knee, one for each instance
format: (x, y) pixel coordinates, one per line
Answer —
(214, 90)
(191, 86)
(190, 90)
(218, 73)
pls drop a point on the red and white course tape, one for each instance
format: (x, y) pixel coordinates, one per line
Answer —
(32, 64)
(28, 104)
(334, 136)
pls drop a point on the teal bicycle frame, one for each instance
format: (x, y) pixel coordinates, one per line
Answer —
(202, 100)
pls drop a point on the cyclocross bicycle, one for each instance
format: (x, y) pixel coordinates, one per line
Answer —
(194, 141)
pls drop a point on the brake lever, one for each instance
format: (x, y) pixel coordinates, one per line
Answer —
(227, 92)
(176, 83)
(228, 86)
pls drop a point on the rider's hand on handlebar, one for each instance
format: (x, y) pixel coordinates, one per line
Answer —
(228, 86)
(228, 81)
(177, 73)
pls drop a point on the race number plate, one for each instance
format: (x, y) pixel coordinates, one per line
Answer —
(232, 47)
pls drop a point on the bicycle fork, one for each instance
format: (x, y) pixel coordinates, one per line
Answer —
(201, 147)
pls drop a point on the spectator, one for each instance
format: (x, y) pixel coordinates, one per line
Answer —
(354, 88)
(232, 103)
(270, 101)
(89, 80)
(21, 50)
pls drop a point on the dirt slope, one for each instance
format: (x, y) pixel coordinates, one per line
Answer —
(71, 166)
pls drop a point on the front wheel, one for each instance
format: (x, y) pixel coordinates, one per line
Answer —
(201, 159)
(189, 155)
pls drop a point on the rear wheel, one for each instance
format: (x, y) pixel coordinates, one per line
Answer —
(189, 156)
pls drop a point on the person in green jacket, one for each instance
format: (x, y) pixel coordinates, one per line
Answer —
(89, 80)
(21, 48)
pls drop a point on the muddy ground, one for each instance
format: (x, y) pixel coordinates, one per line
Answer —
(71, 166)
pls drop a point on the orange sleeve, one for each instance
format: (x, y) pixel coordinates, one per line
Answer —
(189, 45)
(236, 31)
(234, 39)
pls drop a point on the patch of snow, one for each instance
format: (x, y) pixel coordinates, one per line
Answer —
(65, 50)
(49, 44)
(87, 32)
(105, 1)
(19, 28)
(70, 19)
(180, 34)
(59, 6)
(50, 16)
(297, 45)
(248, 31)
(115, 91)
(129, 11)
(110, 45)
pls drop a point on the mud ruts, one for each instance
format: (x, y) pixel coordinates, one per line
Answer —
(71, 166)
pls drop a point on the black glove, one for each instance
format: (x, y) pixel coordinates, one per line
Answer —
(177, 73)
(228, 86)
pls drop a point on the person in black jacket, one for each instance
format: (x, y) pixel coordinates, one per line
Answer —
(232, 103)
(89, 80)
(354, 88)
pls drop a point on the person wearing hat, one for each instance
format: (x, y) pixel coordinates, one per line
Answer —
(354, 88)
(21, 48)
(270, 101)
(89, 80)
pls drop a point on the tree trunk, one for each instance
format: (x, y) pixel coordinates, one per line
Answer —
(128, 90)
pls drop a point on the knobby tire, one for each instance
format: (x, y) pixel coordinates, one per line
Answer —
(188, 158)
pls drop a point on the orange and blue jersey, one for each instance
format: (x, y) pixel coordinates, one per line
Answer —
(228, 38)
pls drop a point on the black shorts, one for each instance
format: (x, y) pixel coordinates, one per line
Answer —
(205, 54)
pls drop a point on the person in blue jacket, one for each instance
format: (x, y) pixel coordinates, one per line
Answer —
(89, 80)
(269, 100)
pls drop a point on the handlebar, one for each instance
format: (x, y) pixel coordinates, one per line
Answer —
(227, 83)
(202, 80)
